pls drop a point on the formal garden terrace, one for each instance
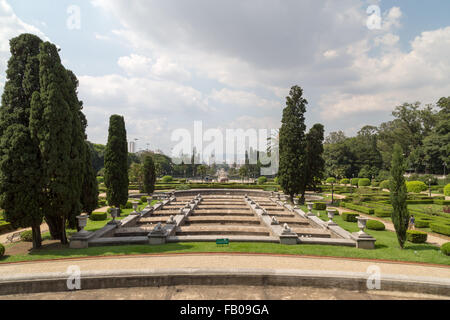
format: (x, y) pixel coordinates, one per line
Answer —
(230, 215)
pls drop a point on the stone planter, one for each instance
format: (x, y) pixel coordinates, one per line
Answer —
(310, 208)
(331, 213)
(362, 223)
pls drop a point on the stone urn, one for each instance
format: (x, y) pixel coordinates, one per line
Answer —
(331, 213)
(362, 223)
(135, 207)
(310, 208)
(296, 201)
(114, 215)
(82, 223)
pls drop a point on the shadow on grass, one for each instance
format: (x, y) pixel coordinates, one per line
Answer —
(418, 247)
(56, 250)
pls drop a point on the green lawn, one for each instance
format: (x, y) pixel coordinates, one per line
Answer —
(386, 248)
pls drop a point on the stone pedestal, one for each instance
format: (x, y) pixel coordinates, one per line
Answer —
(288, 239)
(364, 241)
(157, 236)
(80, 240)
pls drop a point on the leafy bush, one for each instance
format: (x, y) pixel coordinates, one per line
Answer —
(349, 216)
(416, 186)
(2, 250)
(129, 205)
(100, 179)
(167, 179)
(441, 228)
(319, 206)
(143, 199)
(375, 184)
(355, 181)
(364, 182)
(262, 180)
(345, 181)
(27, 236)
(331, 180)
(445, 248)
(415, 236)
(447, 190)
(385, 184)
(98, 216)
(5, 226)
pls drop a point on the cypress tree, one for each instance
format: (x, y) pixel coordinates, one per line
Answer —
(56, 126)
(116, 163)
(89, 194)
(315, 164)
(20, 175)
(292, 144)
(398, 195)
(149, 175)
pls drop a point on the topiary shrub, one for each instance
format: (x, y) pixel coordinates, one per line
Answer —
(445, 248)
(167, 179)
(319, 206)
(385, 184)
(447, 190)
(415, 236)
(355, 181)
(350, 216)
(376, 225)
(416, 186)
(129, 205)
(375, 184)
(364, 182)
(345, 181)
(331, 180)
(143, 199)
(98, 216)
(27, 236)
(441, 228)
(2, 250)
(262, 180)
(382, 213)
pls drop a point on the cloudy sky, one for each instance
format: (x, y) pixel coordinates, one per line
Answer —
(165, 64)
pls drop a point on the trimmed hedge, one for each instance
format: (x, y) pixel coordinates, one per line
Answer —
(376, 225)
(350, 216)
(416, 186)
(331, 180)
(419, 201)
(5, 226)
(441, 228)
(382, 213)
(319, 206)
(441, 202)
(423, 223)
(262, 180)
(27, 236)
(2, 250)
(359, 208)
(364, 182)
(445, 248)
(144, 199)
(167, 179)
(98, 216)
(447, 190)
(354, 181)
(183, 187)
(415, 236)
(129, 205)
(345, 181)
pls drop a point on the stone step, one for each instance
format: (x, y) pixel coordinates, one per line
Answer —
(153, 220)
(293, 221)
(222, 230)
(232, 238)
(241, 213)
(312, 232)
(133, 232)
(221, 220)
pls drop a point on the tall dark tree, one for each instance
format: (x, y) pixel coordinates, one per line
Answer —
(89, 194)
(293, 144)
(20, 173)
(149, 175)
(56, 126)
(400, 215)
(315, 164)
(116, 163)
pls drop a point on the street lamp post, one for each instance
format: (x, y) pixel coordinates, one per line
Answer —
(429, 186)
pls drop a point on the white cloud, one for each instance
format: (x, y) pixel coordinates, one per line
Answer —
(135, 65)
(242, 99)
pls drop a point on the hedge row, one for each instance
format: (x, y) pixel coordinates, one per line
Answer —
(5, 226)
(415, 236)
(441, 228)
(319, 206)
(357, 208)
(349, 216)
(423, 223)
(2, 250)
(445, 248)
(98, 216)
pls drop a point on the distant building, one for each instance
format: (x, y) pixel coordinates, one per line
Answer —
(132, 147)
